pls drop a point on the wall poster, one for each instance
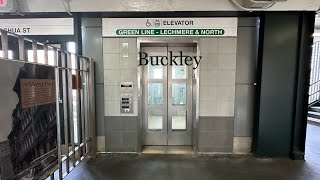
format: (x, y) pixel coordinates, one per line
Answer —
(28, 130)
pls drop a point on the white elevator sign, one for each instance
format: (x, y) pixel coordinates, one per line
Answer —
(133, 27)
(39, 26)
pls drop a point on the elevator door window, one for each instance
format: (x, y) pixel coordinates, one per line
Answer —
(167, 106)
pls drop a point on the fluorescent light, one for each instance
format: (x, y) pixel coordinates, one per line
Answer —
(40, 56)
(10, 54)
(316, 34)
(71, 47)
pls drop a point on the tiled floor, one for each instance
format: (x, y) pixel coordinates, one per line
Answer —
(201, 167)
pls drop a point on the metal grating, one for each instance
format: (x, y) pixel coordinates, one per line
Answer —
(314, 89)
(69, 68)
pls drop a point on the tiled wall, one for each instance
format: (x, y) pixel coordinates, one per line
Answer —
(120, 65)
(121, 133)
(217, 94)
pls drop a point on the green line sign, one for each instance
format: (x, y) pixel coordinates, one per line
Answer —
(170, 32)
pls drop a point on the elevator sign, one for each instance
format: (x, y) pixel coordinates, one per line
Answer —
(133, 27)
(171, 32)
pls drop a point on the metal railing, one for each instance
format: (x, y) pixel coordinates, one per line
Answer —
(314, 88)
(74, 103)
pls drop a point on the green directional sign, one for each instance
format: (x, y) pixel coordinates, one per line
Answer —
(170, 32)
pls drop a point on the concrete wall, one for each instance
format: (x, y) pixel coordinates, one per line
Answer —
(147, 5)
(121, 130)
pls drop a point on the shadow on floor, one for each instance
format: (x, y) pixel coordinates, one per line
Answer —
(312, 151)
(191, 167)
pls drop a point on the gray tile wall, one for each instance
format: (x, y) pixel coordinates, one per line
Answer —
(217, 94)
(119, 66)
(121, 130)
(121, 133)
(216, 134)
(217, 76)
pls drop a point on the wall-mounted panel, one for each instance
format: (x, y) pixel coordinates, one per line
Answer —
(246, 76)
(278, 85)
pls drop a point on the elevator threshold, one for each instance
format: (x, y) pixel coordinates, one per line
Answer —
(167, 150)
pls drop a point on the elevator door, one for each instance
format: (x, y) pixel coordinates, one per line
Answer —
(167, 97)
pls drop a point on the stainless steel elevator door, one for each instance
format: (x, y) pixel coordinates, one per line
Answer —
(167, 92)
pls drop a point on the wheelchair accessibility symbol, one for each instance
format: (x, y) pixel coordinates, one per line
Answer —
(148, 24)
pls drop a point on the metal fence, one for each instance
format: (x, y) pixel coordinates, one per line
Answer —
(314, 89)
(74, 102)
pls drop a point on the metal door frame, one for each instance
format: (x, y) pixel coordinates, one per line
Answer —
(195, 87)
(155, 136)
(171, 108)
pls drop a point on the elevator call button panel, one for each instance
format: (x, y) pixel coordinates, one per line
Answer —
(126, 97)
